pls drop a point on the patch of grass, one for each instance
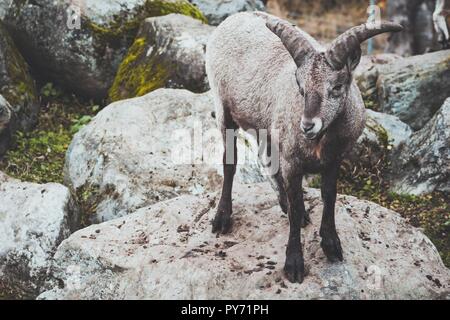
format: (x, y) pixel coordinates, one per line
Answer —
(38, 155)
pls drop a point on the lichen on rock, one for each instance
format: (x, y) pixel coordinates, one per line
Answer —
(169, 51)
(137, 75)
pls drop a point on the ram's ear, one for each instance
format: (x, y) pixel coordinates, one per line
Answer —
(294, 41)
(346, 49)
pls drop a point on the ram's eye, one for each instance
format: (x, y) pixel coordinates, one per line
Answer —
(302, 91)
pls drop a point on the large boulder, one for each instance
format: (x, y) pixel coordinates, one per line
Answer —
(17, 87)
(422, 165)
(414, 88)
(83, 54)
(218, 10)
(34, 219)
(169, 51)
(411, 88)
(167, 251)
(140, 151)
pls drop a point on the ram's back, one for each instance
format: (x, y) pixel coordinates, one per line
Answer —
(250, 70)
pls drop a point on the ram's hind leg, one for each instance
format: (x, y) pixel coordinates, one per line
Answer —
(222, 220)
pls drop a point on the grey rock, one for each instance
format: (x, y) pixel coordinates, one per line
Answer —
(422, 165)
(169, 51)
(140, 151)
(4, 6)
(83, 55)
(5, 113)
(167, 251)
(18, 88)
(411, 88)
(397, 132)
(5, 119)
(34, 219)
(414, 88)
(218, 10)
(367, 73)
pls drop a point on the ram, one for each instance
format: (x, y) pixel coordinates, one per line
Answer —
(266, 74)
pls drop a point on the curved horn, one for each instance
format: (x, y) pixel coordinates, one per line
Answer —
(295, 42)
(348, 45)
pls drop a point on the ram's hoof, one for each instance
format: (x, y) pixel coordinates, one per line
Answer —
(222, 221)
(331, 246)
(294, 268)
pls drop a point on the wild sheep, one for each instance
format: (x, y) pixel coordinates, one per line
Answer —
(440, 22)
(301, 91)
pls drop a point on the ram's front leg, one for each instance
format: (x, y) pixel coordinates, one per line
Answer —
(294, 267)
(331, 245)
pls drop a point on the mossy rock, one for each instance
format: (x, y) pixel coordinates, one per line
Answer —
(83, 56)
(17, 86)
(169, 52)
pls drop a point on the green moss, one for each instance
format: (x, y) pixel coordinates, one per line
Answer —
(371, 101)
(25, 161)
(38, 155)
(87, 198)
(123, 29)
(381, 133)
(155, 8)
(139, 74)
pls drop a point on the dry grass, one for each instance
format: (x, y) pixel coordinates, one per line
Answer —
(326, 19)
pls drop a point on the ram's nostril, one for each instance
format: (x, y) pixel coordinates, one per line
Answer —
(307, 126)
